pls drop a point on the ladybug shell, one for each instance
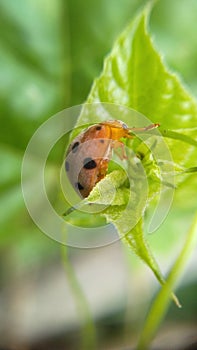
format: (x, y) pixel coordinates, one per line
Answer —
(89, 154)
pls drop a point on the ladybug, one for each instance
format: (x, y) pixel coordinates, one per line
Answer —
(89, 153)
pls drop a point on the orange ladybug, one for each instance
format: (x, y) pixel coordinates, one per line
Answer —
(89, 153)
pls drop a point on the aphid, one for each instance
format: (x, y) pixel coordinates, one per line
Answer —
(89, 153)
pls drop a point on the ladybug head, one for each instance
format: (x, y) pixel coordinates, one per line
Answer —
(117, 124)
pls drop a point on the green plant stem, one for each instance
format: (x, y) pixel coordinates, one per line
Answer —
(88, 337)
(177, 136)
(161, 303)
(173, 135)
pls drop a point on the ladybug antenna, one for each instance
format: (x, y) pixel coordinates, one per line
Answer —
(145, 128)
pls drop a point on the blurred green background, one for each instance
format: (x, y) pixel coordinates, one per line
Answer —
(50, 53)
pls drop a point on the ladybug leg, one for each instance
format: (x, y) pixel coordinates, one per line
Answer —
(103, 166)
(141, 156)
(122, 154)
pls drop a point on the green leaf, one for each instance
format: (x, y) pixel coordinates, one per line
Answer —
(108, 191)
(134, 75)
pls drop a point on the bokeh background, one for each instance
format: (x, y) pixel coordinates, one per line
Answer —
(50, 52)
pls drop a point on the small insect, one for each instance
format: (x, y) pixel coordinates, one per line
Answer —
(89, 153)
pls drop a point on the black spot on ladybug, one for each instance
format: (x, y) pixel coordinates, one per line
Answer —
(67, 166)
(75, 147)
(102, 141)
(99, 127)
(89, 163)
(79, 186)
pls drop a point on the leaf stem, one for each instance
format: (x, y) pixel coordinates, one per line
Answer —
(161, 303)
(177, 136)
